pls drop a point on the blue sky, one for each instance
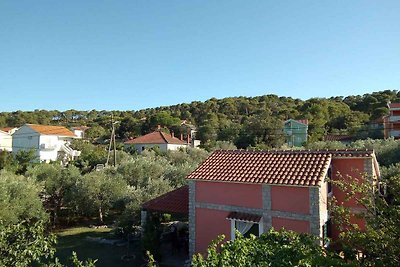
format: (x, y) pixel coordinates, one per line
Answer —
(129, 55)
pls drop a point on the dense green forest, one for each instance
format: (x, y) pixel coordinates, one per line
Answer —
(244, 121)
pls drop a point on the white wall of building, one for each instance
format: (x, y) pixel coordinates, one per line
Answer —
(163, 147)
(25, 139)
(5, 141)
(79, 133)
(49, 146)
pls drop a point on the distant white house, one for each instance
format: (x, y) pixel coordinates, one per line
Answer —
(5, 141)
(50, 143)
(156, 139)
(79, 131)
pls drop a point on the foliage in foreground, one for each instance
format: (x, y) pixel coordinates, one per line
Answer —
(379, 240)
(26, 243)
(275, 248)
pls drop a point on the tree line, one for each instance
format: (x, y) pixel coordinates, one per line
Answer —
(244, 121)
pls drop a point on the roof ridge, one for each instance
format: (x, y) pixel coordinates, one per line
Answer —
(323, 151)
(162, 135)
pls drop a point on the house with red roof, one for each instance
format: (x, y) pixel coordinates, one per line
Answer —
(391, 123)
(156, 139)
(252, 191)
(50, 143)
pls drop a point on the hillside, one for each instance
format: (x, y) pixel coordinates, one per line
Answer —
(245, 121)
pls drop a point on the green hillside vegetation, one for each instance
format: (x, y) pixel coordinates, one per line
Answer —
(244, 121)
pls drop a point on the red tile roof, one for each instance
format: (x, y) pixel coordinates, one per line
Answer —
(245, 217)
(303, 168)
(51, 130)
(6, 129)
(156, 137)
(176, 201)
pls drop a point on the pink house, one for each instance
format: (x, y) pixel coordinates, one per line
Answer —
(252, 191)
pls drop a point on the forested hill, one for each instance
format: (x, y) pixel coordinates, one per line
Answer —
(245, 121)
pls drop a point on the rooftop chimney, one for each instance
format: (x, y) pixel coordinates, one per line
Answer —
(159, 127)
(172, 134)
(181, 136)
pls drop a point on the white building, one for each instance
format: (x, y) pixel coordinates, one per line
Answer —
(50, 143)
(156, 139)
(5, 141)
(79, 131)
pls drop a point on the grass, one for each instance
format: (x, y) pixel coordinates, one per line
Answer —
(76, 239)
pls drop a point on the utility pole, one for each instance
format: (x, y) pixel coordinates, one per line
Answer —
(112, 142)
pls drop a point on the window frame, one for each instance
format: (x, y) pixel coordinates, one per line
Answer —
(233, 227)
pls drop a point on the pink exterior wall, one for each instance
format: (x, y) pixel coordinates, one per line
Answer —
(291, 199)
(210, 224)
(290, 224)
(243, 195)
(353, 167)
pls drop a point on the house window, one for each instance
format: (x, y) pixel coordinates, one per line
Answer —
(246, 224)
(143, 148)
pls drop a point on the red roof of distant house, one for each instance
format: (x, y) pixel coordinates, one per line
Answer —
(394, 105)
(156, 137)
(51, 130)
(338, 137)
(303, 168)
(6, 129)
(176, 201)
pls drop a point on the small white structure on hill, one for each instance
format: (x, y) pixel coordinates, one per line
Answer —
(50, 143)
(79, 131)
(5, 141)
(156, 139)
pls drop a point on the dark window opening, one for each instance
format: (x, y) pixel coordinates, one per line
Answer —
(327, 232)
(329, 176)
